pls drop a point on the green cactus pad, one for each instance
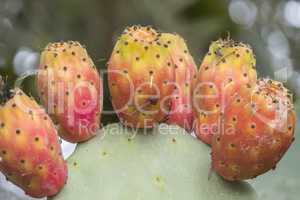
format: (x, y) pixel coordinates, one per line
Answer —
(164, 163)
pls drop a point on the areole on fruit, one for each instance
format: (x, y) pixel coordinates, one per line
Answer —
(142, 34)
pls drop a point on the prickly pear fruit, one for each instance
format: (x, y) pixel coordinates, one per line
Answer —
(144, 80)
(30, 153)
(147, 164)
(227, 69)
(71, 89)
(256, 133)
(139, 80)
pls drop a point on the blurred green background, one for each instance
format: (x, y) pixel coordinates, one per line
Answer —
(271, 27)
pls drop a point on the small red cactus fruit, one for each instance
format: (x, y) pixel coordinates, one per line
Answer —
(30, 152)
(227, 69)
(71, 89)
(150, 76)
(256, 132)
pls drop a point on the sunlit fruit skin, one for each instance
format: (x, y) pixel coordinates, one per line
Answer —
(71, 89)
(30, 151)
(143, 80)
(185, 69)
(256, 133)
(227, 69)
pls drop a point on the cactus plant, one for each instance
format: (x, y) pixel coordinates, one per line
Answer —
(161, 163)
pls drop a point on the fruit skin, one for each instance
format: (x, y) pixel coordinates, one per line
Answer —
(71, 89)
(185, 69)
(143, 79)
(147, 162)
(29, 147)
(139, 78)
(256, 133)
(227, 69)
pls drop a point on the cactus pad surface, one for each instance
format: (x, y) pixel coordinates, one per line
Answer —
(163, 163)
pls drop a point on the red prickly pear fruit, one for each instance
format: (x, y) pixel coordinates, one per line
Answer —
(143, 80)
(257, 132)
(71, 89)
(185, 69)
(227, 69)
(139, 79)
(30, 151)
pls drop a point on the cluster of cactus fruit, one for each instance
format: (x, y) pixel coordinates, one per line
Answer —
(248, 122)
